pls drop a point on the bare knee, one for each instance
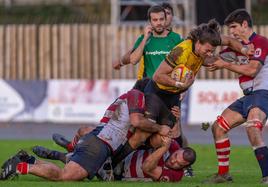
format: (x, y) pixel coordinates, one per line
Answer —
(217, 131)
(255, 136)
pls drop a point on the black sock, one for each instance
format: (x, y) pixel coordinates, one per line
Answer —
(179, 140)
(121, 154)
(56, 155)
(262, 157)
(31, 160)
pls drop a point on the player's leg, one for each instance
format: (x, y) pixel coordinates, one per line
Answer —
(230, 118)
(152, 112)
(47, 170)
(137, 139)
(46, 153)
(69, 145)
(181, 139)
(255, 122)
(71, 171)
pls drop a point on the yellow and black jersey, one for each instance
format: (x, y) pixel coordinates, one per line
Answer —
(182, 54)
(140, 74)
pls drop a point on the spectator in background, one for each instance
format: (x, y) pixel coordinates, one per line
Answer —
(169, 14)
(153, 45)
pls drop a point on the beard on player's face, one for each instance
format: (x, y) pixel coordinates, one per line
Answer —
(159, 29)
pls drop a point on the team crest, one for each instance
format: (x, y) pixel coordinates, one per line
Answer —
(164, 178)
(257, 52)
(175, 53)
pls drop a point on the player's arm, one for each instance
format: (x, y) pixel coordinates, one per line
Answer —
(162, 76)
(139, 121)
(150, 165)
(137, 53)
(136, 106)
(237, 46)
(250, 69)
(117, 64)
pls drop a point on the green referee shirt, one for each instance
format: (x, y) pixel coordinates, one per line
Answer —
(155, 51)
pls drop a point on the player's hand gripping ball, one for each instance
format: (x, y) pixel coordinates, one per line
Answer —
(181, 73)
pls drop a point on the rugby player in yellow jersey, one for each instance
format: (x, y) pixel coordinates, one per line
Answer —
(192, 52)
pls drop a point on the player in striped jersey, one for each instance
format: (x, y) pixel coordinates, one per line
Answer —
(165, 163)
(251, 109)
(95, 147)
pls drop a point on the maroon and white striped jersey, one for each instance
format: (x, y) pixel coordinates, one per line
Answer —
(259, 82)
(115, 123)
(261, 54)
(134, 161)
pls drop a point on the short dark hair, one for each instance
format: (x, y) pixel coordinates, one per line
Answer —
(189, 155)
(206, 33)
(141, 84)
(155, 9)
(166, 5)
(238, 16)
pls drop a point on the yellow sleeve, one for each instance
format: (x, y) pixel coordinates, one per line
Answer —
(173, 58)
(141, 69)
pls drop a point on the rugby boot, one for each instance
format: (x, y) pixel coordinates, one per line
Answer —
(217, 178)
(23, 156)
(188, 172)
(264, 180)
(49, 154)
(105, 173)
(9, 168)
(61, 140)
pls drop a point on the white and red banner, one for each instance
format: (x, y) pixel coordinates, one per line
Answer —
(82, 100)
(208, 99)
(85, 101)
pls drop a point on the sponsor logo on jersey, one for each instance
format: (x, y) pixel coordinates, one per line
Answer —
(164, 178)
(258, 52)
(156, 52)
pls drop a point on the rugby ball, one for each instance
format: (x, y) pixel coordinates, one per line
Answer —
(228, 56)
(180, 72)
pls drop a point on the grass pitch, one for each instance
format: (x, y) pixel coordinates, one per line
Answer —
(244, 168)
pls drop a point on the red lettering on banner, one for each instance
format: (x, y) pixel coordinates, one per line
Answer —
(212, 97)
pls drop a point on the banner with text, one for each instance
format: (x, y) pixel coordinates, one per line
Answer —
(82, 100)
(85, 101)
(208, 99)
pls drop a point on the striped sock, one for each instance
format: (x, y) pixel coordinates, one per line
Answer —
(223, 153)
(72, 144)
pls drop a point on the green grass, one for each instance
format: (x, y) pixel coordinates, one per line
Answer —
(244, 167)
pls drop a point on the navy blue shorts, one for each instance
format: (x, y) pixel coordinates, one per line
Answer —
(90, 153)
(257, 98)
(168, 98)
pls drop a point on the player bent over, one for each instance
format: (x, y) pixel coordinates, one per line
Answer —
(95, 147)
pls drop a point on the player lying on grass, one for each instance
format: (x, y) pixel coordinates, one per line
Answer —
(163, 163)
(133, 163)
(95, 147)
(155, 111)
